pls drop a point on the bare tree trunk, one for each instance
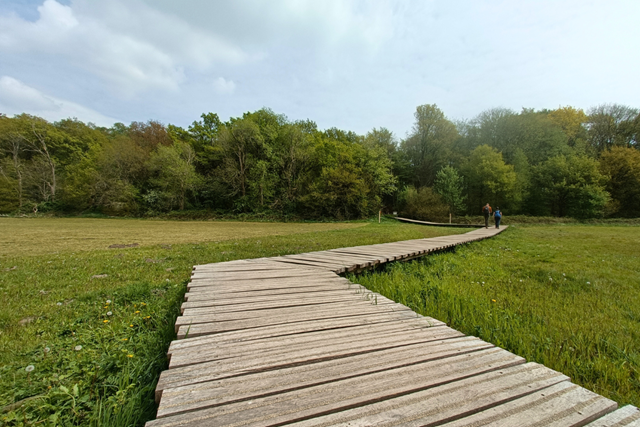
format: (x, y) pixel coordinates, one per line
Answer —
(40, 147)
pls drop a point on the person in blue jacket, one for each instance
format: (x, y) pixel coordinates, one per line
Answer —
(497, 216)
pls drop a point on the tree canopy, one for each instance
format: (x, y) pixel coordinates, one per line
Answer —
(564, 162)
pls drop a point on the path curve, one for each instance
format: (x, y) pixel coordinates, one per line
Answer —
(287, 341)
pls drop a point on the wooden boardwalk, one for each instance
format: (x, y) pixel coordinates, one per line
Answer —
(287, 341)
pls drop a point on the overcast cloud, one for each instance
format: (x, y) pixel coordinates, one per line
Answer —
(351, 64)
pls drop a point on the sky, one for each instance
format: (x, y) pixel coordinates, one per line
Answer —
(351, 64)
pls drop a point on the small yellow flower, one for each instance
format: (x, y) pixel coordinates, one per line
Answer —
(493, 300)
(105, 321)
(130, 355)
(144, 303)
(125, 339)
(138, 311)
(131, 326)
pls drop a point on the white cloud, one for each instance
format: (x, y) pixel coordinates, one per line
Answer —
(16, 98)
(224, 86)
(128, 44)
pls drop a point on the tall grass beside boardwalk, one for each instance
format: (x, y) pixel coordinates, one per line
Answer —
(564, 296)
(84, 328)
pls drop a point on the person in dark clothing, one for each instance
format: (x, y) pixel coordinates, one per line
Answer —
(486, 210)
(497, 216)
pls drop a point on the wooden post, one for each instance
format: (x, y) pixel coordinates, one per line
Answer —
(449, 217)
(379, 216)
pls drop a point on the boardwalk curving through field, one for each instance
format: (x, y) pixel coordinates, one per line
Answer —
(287, 341)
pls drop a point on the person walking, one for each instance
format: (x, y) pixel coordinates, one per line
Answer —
(486, 210)
(497, 216)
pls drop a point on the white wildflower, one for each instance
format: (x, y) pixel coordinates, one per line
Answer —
(78, 348)
(109, 313)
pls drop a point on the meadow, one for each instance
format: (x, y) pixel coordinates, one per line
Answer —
(87, 306)
(566, 296)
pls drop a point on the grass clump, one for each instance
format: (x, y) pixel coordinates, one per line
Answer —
(95, 324)
(564, 296)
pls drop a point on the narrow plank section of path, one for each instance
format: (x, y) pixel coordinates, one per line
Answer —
(287, 341)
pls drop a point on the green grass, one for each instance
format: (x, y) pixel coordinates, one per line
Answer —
(30, 236)
(564, 296)
(52, 304)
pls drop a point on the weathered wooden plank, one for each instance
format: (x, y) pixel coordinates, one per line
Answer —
(335, 267)
(447, 402)
(243, 291)
(348, 261)
(245, 275)
(280, 315)
(627, 416)
(561, 405)
(318, 348)
(245, 265)
(273, 301)
(334, 396)
(208, 371)
(195, 330)
(223, 287)
(181, 399)
(202, 285)
(303, 327)
(233, 339)
(247, 310)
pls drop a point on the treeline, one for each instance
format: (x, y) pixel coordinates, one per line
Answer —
(562, 162)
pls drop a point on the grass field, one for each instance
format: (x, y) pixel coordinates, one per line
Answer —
(31, 236)
(84, 329)
(565, 296)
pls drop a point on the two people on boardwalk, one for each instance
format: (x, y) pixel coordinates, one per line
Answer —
(487, 211)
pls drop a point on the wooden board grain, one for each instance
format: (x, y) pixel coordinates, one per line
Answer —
(284, 340)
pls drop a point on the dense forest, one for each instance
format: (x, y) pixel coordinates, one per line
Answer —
(563, 162)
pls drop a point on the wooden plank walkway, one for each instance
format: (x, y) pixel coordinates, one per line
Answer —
(287, 341)
(439, 224)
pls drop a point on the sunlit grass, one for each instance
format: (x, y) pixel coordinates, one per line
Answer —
(31, 236)
(118, 306)
(565, 296)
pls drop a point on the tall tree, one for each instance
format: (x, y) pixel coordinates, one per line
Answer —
(449, 185)
(428, 146)
(570, 186)
(489, 178)
(613, 125)
(622, 167)
(241, 142)
(175, 172)
(572, 121)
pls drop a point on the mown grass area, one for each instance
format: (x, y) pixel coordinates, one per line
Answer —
(29, 236)
(84, 331)
(564, 296)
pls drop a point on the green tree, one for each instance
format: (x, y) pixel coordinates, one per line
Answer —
(572, 121)
(428, 146)
(489, 178)
(531, 132)
(622, 166)
(423, 204)
(570, 186)
(613, 125)
(175, 172)
(241, 142)
(449, 185)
